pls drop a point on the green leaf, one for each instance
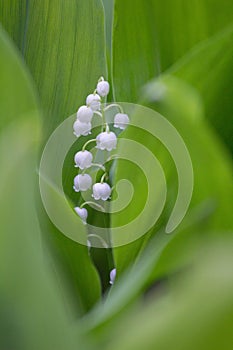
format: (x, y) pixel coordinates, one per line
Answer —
(195, 311)
(63, 46)
(154, 36)
(212, 168)
(108, 9)
(214, 85)
(133, 43)
(14, 82)
(32, 314)
(126, 289)
(149, 36)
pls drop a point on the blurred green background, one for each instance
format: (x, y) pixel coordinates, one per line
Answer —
(171, 290)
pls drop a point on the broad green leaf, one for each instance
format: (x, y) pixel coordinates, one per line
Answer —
(63, 45)
(213, 79)
(136, 49)
(149, 36)
(181, 105)
(134, 57)
(32, 313)
(126, 289)
(108, 9)
(192, 312)
(14, 82)
(210, 208)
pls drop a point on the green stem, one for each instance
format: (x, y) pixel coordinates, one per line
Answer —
(107, 127)
(103, 177)
(93, 203)
(114, 105)
(87, 143)
(103, 115)
(113, 156)
(99, 166)
(98, 113)
(100, 238)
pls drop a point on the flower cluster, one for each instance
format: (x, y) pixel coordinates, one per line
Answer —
(106, 140)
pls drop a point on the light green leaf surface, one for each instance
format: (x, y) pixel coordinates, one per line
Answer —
(212, 167)
(193, 312)
(149, 36)
(125, 291)
(32, 314)
(177, 27)
(63, 44)
(213, 78)
(108, 9)
(14, 82)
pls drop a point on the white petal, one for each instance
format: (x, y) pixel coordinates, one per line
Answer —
(83, 159)
(103, 88)
(121, 121)
(82, 213)
(106, 140)
(85, 114)
(93, 101)
(112, 276)
(95, 190)
(82, 182)
(101, 191)
(81, 128)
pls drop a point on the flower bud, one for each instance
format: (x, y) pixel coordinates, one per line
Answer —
(93, 101)
(103, 88)
(112, 276)
(82, 182)
(82, 213)
(83, 159)
(121, 121)
(101, 191)
(84, 114)
(106, 140)
(81, 128)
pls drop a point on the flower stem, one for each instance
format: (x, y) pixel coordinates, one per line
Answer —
(113, 156)
(87, 143)
(104, 244)
(103, 177)
(114, 105)
(103, 115)
(92, 203)
(99, 166)
(98, 113)
(107, 128)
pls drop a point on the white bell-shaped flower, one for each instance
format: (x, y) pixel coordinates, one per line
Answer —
(121, 121)
(103, 88)
(85, 114)
(93, 101)
(81, 128)
(106, 140)
(101, 191)
(83, 159)
(82, 182)
(112, 276)
(82, 213)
